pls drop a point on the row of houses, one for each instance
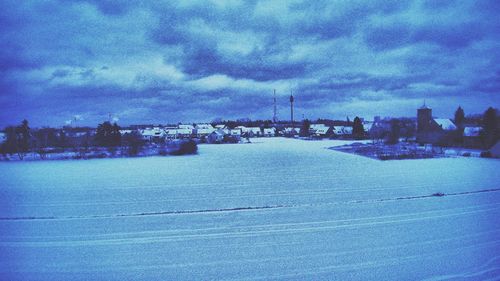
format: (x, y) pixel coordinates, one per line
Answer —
(324, 131)
(201, 131)
(219, 131)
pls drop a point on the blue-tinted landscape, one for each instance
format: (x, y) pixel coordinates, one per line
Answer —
(249, 140)
(276, 208)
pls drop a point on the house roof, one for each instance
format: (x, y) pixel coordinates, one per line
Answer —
(204, 130)
(446, 124)
(219, 133)
(123, 132)
(472, 131)
(176, 131)
(317, 126)
(322, 131)
(339, 130)
(186, 126)
(367, 125)
(254, 129)
(204, 126)
(152, 132)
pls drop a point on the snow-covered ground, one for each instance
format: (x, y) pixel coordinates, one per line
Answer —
(273, 209)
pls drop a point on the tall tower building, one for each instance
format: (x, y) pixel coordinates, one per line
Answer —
(291, 108)
(424, 119)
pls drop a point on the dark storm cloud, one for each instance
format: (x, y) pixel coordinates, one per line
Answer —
(160, 61)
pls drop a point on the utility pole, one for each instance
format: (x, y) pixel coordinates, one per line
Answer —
(275, 117)
(291, 107)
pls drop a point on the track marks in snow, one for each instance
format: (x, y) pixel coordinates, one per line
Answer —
(246, 208)
(262, 192)
(260, 230)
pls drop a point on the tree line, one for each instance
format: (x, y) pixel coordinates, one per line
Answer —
(107, 140)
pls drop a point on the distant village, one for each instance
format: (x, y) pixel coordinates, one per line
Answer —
(479, 132)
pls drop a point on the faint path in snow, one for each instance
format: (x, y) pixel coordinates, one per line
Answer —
(249, 208)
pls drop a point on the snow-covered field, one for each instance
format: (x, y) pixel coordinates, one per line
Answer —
(273, 209)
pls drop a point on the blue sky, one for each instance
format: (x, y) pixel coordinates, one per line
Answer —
(166, 61)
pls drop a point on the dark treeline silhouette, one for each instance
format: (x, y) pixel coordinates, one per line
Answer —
(491, 132)
(80, 142)
(17, 140)
(108, 134)
(474, 131)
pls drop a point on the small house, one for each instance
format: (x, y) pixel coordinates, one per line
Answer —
(472, 136)
(433, 130)
(342, 131)
(290, 131)
(320, 130)
(203, 130)
(243, 129)
(216, 137)
(269, 132)
(153, 134)
(254, 132)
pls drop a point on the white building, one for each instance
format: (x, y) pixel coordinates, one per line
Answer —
(243, 129)
(221, 126)
(235, 132)
(269, 132)
(178, 133)
(290, 131)
(125, 132)
(319, 130)
(204, 129)
(254, 131)
(186, 126)
(342, 130)
(153, 134)
(216, 137)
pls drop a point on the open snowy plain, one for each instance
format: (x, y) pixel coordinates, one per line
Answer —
(275, 209)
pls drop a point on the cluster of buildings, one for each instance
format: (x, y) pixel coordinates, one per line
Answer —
(221, 133)
(441, 131)
(213, 134)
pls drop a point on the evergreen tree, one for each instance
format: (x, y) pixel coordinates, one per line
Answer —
(18, 140)
(490, 126)
(23, 138)
(358, 130)
(394, 134)
(108, 135)
(10, 144)
(459, 117)
(304, 129)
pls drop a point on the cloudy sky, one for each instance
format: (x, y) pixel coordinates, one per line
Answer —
(166, 61)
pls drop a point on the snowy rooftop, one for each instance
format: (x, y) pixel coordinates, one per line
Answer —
(446, 124)
(472, 131)
(204, 126)
(185, 126)
(317, 126)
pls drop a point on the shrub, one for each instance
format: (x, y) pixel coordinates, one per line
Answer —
(486, 154)
(187, 147)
